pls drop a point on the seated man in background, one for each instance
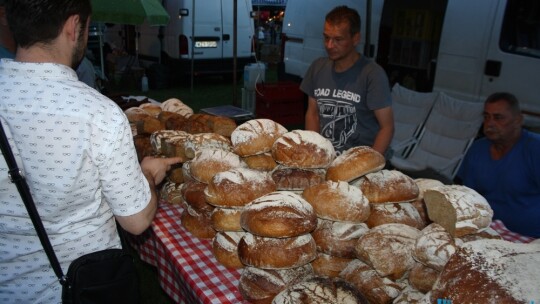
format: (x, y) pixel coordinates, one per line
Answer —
(504, 166)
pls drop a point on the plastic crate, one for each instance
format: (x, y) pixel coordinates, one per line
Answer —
(283, 102)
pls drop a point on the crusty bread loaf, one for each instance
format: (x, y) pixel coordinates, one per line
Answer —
(320, 290)
(193, 194)
(237, 187)
(225, 248)
(338, 238)
(197, 223)
(143, 147)
(262, 162)
(423, 185)
(152, 108)
(222, 125)
(226, 219)
(171, 193)
(135, 114)
(177, 106)
(399, 213)
(487, 233)
(296, 179)
(276, 253)
(186, 171)
(377, 289)
(490, 271)
(303, 149)
(157, 138)
(175, 122)
(411, 296)
(260, 286)
(278, 214)
(354, 163)
(256, 136)
(199, 141)
(328, 265)
(176, 174)
(434, 247)
(388, 186)
(459, 209)
(209, 162)
(338, 201)
(388, 249)
(198, 123)
(422, 277)
(172, 145)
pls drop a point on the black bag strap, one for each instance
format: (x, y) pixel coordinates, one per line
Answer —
(18, 179)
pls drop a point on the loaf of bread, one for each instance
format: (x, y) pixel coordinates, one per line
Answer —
(338, 201)
(256, 136)
(338, 238)
(276, 253)
(176, 174)
(303, 149)
(262, 162)
(152, 108)
(388, 186)
(172, 144)
(209, 162)
(225, 248)
(321, 290)
(490, 271)
(388, 249)
(199, 141)
(423, 185)
(177, 106)
(135, 114)
(193, 195)
(186, 172)
(171, 193)
(198, 123)
(143, 147)
(157, 138)
(399, 213)
(434, 247)
(197, 223)
(354, 163)
(260, 286)
(296, 179)
(487, 233)
(411, 296)
(226, 219)
(278, 214)
(328, 265)
(148, 125)
(237, 187)
(422, 277)
(459, 209)
(174, 122)
(376, 289)
(222, 125)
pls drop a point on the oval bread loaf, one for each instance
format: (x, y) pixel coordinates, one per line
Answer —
(256, 136)
(388, 186)
(354, 163)
(303, 149)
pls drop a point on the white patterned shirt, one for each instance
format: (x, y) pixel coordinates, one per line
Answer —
(75, 148)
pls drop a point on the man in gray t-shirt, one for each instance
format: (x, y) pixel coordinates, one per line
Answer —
(349, 95)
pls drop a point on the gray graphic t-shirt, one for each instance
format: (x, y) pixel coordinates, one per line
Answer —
(346, 100)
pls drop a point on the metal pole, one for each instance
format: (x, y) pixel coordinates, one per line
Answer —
(367, 46)
(235, 49)
(192, 43)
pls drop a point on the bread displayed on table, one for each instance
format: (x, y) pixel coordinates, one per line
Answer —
(403, 213)
(256, 136)
(303, 149)
(388, 186)
(354, 163)
(423, 185)
(226, 219)
(175, 105)
(262, 162)
(198, 223)
(209, 162)
(296, 179)
(199, 141)
(329, 265)
(434, 247)
(338, 238)
(225, 248)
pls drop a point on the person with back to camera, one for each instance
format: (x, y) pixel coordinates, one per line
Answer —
(73, 145)
(349, 99)
(7, 44)
(504, 166)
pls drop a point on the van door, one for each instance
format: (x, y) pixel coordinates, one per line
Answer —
(513, 60)
(244, 28)
(208, 30)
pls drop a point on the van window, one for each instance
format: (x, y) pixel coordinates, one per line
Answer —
(521, 28)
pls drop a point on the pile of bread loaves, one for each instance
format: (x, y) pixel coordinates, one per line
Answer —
(304, 225)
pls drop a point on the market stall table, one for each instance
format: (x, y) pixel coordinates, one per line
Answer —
(187, 269)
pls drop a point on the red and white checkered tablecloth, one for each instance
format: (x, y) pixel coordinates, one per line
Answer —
(187, 269)
(508, 235)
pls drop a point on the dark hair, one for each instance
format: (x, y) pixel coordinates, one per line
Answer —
(509, 98)
(40, 21)
(345, 14)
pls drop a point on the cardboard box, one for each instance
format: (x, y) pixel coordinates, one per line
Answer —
(283, 102)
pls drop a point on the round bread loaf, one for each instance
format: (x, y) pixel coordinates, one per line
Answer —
(260, 286)
(208, 162)
(388, 186)
(338, 201)
(338, 238)
(490, 271)
(459, 209)
(176, 174)
(142, 146)
(172, 145)
(198, 123)
(434, 247)
(237, 187)
(186, 172)
(223, 125)
(388, 249)
(401, 213)
(411, 296)
(135, 114)
(256, 136)
(225, 248)
(197, 223)
(262, 162)
(226, 219)
(278, 214)
(423, 185)
(320, 290)
(303, 149)
(354, 163)
(328, 265)
(376, 289)
(487, 233)
(153, 109)
(422, 277)
(177, 106)
(296, 179)
(171, 193)
(276, 253)
(200, 141)
(193, 194)
(157, 137)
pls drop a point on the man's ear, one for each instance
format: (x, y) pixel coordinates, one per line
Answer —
(71, 27)
(356, 39)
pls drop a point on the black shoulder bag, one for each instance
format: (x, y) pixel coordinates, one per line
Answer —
(106, 276)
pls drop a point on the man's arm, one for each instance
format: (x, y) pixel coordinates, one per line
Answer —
(312, 115)
(385, 117)
(155, 170)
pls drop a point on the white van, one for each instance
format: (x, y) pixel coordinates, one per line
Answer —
(468, 49)
(202, 30)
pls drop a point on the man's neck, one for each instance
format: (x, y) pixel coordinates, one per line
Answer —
(346, 63)
(498, 149)
(40, 53)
